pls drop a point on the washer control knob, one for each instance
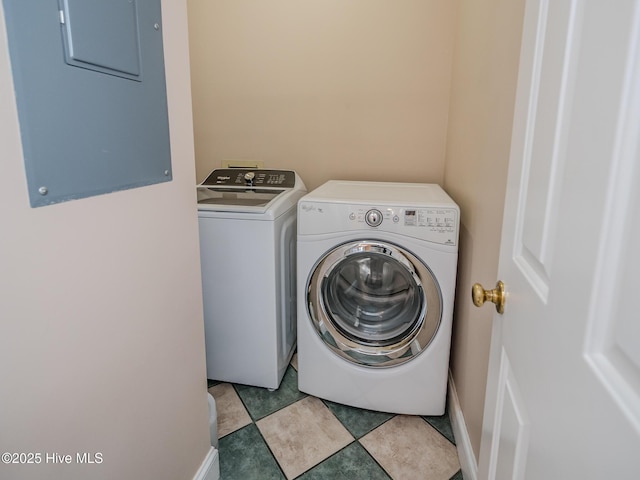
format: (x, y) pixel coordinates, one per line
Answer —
(373, 217)
(248, 177)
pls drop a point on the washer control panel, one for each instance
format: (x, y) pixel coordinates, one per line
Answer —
(246, 177)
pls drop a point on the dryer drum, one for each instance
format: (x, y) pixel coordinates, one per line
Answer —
(374, 303)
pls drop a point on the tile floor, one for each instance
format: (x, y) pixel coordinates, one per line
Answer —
(287, 434)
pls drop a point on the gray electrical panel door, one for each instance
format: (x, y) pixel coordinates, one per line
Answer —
(91, 95)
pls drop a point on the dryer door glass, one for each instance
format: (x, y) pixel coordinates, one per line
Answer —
(374, 303)
(372, 298)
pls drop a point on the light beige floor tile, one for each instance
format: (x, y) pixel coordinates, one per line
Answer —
(409, 448)
(303, 434)
(231, 412)
(294, 361)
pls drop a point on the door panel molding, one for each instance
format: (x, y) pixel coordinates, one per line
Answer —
(511, 426)
(612, 326)
(546, 131)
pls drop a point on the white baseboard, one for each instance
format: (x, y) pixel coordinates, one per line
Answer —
(468, 462)
(210, 467)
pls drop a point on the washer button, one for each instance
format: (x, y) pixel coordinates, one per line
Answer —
(352, 216)
(396, 219)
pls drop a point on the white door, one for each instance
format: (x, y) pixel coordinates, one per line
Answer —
(563, 394)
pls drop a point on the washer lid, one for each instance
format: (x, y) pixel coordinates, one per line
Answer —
(252, 197)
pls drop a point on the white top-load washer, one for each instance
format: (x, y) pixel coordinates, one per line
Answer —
(376, 279)
(247, 221)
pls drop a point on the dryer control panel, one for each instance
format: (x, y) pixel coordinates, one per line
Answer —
(436, 224)
(441, 223)
(380, 210)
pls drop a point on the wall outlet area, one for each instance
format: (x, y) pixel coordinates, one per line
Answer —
(242, 164)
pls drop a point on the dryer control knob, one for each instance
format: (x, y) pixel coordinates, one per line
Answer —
(373, 217)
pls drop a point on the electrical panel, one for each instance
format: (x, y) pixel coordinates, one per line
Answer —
(90, 89)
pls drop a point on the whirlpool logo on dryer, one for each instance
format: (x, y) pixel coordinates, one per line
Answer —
(311, 208)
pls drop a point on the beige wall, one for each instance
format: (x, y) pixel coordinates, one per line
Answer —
(478, 143)
(335, 89)
(101, 334)
(363, 89)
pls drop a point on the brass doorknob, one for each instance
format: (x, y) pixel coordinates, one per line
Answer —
(497, 296)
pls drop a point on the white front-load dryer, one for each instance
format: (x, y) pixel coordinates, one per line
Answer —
(376, 279)
(247, 223)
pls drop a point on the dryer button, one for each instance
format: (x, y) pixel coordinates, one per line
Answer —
(373, 217)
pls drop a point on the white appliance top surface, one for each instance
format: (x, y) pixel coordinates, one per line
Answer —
(408, 194)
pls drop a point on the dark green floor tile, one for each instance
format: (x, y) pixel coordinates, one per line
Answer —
(351, 463)
(359, 422)
(244, 455)
(457, 476)
(443, 425)
(212, 383)
(260, 402)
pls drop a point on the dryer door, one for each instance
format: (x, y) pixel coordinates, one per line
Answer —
(374, 303)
